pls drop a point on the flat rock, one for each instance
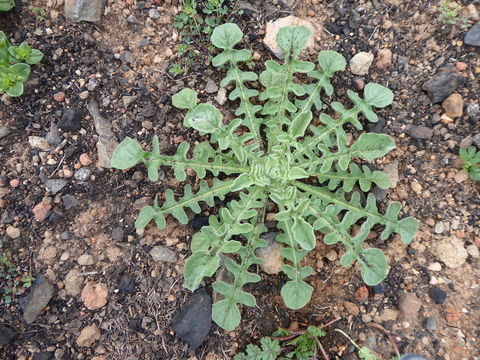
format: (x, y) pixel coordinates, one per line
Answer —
(85, 260)
(53, 136)
(107, 142)
(94, 296)
(38, 142)
(409, 305)
(192, 323)
(272, 259)
(71, 119)
(442, 85)
(163, 254)
(472, 37)
(391, 170)
(274, 26)
(88, 335)
(360, 63)
(7, 335)
(384, 59)
(211, 87)
(84, 10)
(69, 201)
(55, 185)
(41, 211)
(419, 132)
(451, 251)
(126, 285)
(73, 283)
(38, 297)
(437, 295)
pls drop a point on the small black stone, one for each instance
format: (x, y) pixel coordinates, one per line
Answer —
(198, 222)
(44, 355)
(117, 233)
(126, 285)
(442, 85)
(333, 28)
(6, 335)
(71, 119)
(252, 37)
(193, 321)
(379, 289)
(437, 295)
(410, 251)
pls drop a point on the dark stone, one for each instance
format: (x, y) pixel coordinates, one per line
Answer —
(193, 321)
(333, 28)
(431, 324)
(377, 127)
(144, 42)
(472, 37)
(126, 285)
(420, 132)
(117, 233)
(149, 110)
(71, 119)
(354, 20)
(437, 295)
(442, 85)
(7, 335)
(44, 355)
(379, 289)
(198, 222)
(38, 297)
(252, 37)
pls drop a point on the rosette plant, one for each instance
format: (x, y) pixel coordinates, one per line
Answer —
(272, 152)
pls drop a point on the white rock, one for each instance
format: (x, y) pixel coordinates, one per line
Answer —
(221, 97)
(85, 260)
(450, 250)
(274, 26)
(361, 62)
(473, 251)
(39, 142)
(435, 266)
(13, 232)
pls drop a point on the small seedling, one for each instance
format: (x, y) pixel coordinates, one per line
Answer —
(300, 345)
(15, 64)
(271, 152)
(450, 14)
(363, 352)
(10, 279)
(471, 162)
(40, 13)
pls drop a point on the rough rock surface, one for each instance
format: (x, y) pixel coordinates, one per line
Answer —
(361, 62)
(451, 251)
(94, 296)
(84, 10)
(37, 299)
(88, 336)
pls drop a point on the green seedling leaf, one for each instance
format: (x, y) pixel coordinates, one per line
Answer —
(372, 146)
(293, 39)
(226, 36)
(378, 95)
(185, 99)
(373, 266)
(128, 154)
(205, 118)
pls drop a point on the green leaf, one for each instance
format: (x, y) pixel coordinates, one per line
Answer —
(205, 118)
(270, 349)
(296, 294)
(128, 154)
(331, 61)
(373, 266)
(15, 90)
(226, 36)
(199, 265)
(185, 99)
(372, 146)
(293, 39)
(366, 354)
(303, 233)
(378, 95)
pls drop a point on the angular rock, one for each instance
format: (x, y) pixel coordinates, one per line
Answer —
(453, 105)
(94, 296)
(71, 119)
(437, 295)
(384, 58)
(107, 142)
(44, 355)
(193, 321)
(211, 87)
(73, 283)
(38, 142)
(13, 232)
(69, 201)
(274, 26)
(88, 335)
(163, 254)
(41, 211)
(55, 185)
(391, 170)
(85, 260)
(38, 297)
(53, 136)
(126, 285)
(272, 259)
(443, 84)
(7, 335)
(84, 10)
(473, 109)
(409, 305)
(82, 174)
(450, 250)
(472, 37)
(419, 132)
(360, 63)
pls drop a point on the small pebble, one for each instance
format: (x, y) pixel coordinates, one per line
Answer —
(85, 160)
(437, 295)
(59, 96)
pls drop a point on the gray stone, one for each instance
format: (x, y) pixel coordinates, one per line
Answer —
(442, 85)
(419, 132)
(117, 233)
(84, 10)
(127, 100)
(82, 174)
(107, 142)
(69, 201)
(286, 3)
(38, 297)
(391, 170)
(472, 37)
(85, 260)
(431, 324)
(473, 109)
(211, 87)
(144, 42)
(55, 185)
(7, 335)
(361, 62)
(53, 136)
(38, 142)
(163, 254)
(153, 14)
(4, 131)
(73, 283)
(221, 97)
(193, 321)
